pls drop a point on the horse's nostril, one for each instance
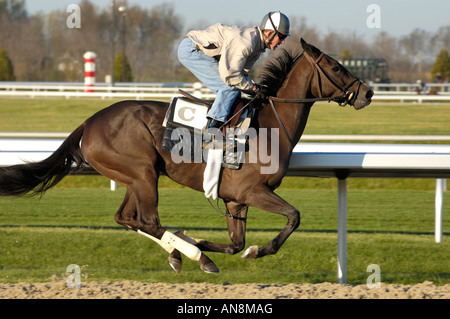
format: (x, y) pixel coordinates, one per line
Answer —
(369, 94)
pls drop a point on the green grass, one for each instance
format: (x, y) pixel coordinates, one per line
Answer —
(114, 255)
(368, 210)
(380, 119)
(57, 115)
(46, 115)
(390, 221)
(394, 229)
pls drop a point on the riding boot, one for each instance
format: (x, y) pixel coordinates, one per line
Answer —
(213, 123)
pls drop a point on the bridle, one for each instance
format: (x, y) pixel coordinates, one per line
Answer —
(347, 97)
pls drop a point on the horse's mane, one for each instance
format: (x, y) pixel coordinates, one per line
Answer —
(277, 67)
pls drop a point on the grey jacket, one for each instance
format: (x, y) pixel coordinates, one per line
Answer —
(238, 49)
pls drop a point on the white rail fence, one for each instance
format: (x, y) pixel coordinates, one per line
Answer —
(136, 91)
(306, 137)
(383, 92)
(352, 160)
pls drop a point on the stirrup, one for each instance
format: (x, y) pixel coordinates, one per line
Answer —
(214, 144)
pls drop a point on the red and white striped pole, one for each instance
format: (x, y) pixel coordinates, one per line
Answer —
(89, 71)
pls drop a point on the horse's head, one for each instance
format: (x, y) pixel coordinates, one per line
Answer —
(334, 81)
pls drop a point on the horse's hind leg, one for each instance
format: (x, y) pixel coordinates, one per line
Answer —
(126, 215)
(139, 212)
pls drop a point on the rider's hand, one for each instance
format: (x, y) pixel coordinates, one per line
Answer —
(261, 91)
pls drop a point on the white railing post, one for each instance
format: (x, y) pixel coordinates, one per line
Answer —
(198, 89)
(342, 231)
(439, 208)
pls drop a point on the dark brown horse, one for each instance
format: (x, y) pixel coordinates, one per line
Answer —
(123, 143)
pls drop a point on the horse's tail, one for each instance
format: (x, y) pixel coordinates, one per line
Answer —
(38, 177)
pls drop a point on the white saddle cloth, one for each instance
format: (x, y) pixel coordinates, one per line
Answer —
(212, 173)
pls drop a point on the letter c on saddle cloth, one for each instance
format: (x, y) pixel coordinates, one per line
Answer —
(186, 113)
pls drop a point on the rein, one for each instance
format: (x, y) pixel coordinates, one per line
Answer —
(343, 100)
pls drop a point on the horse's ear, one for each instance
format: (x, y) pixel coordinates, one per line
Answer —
(310, 49)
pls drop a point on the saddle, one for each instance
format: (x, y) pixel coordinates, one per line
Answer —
(185, 121)
(236, 111)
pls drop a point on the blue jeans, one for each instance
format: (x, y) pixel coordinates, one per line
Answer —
(206, 69)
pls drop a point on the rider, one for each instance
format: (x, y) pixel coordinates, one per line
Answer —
(222, 57)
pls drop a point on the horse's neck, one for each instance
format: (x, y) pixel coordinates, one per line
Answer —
(294, 116)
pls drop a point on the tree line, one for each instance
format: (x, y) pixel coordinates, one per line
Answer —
(41, 47)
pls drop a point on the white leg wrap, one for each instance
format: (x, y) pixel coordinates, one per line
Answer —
(170, 242)
(181, 245)
(167, 247)
(190, 240)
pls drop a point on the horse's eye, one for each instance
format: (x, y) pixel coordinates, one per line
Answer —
(335, 69)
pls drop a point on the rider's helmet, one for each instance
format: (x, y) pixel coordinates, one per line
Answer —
(276, 21)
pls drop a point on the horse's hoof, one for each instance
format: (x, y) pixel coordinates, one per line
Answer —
(251, 252)
(175, 264)
(209, 268)
(207, 265)
(175, 261)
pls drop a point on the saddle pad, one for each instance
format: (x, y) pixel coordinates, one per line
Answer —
(187, 113)
(183, 137)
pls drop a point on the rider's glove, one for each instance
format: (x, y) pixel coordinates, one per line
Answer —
(261, 91)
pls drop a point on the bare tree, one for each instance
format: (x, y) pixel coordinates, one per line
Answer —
(42, 47)
(21, 36)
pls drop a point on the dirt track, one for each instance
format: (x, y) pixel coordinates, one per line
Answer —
(138, 290)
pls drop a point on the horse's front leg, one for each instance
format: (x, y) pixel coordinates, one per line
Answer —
(236, 222)
(264, 198)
